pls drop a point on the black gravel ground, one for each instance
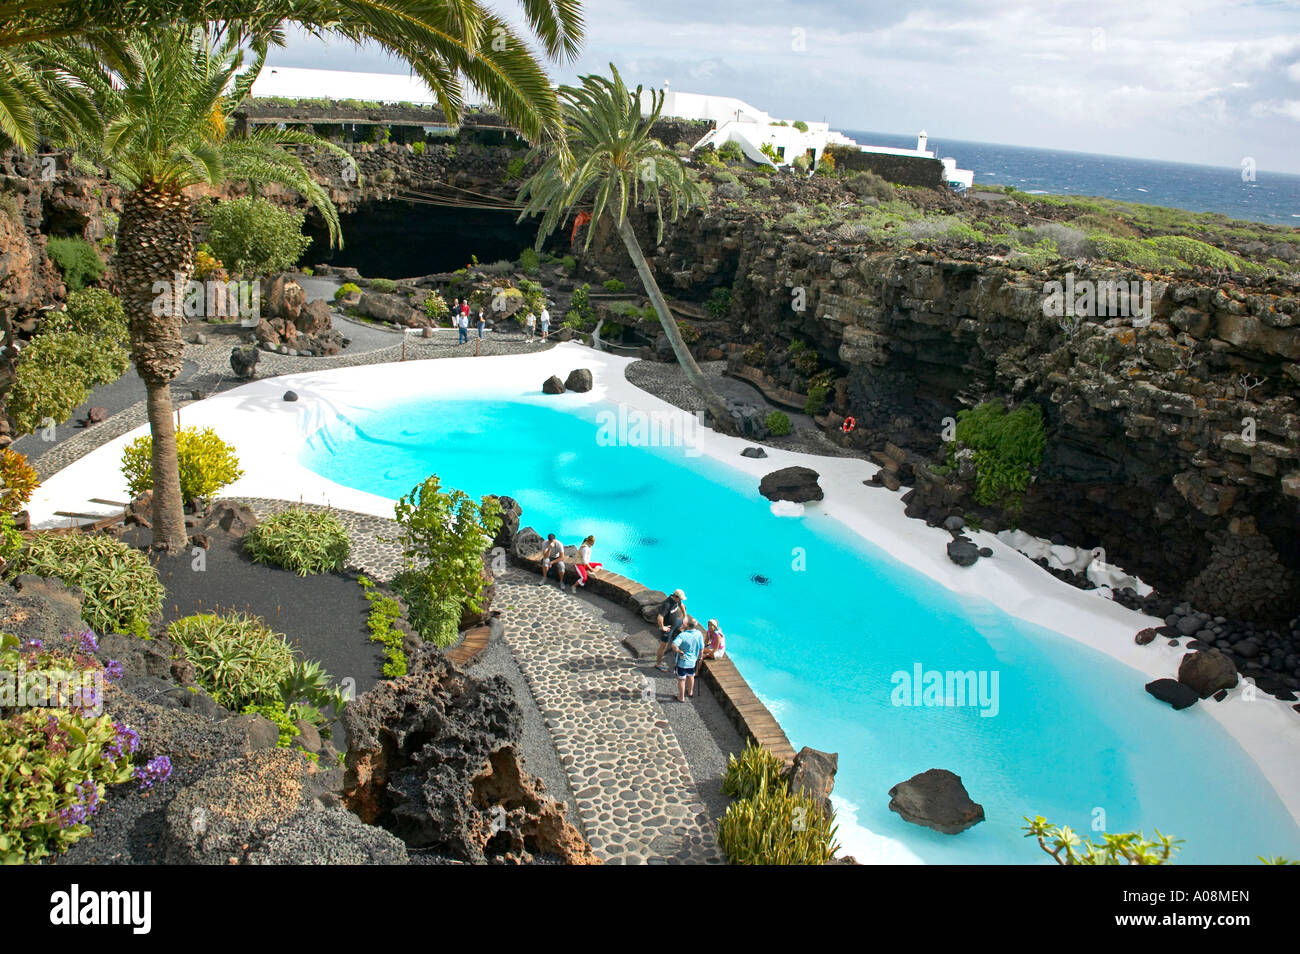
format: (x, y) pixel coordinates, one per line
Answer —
(323, 616)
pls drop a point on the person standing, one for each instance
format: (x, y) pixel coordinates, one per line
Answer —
(482, 323)
(546, 322)
(688, 646)
(531, 324)
(464, 323)
(671, 618)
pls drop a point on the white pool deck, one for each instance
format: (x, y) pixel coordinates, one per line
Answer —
(268, 433)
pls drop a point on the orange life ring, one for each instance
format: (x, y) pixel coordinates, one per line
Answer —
(848, 425)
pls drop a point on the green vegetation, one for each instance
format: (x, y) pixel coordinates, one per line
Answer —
(730, 151)
(207, 463)
(719, 303)
(347, 288)
(530, 263)
(613, 285)
(580, 316)
(253, 236)
(816, 401)
(570, 263)
(443, 537)
(778, 422)
(385, 286)
(384, 614)
(767, 824)
(1131, 848)
(18, 481)
(298, 539)
(77, 261)
(120, 589)
(1007, 448)
(755, 355)
(237, 659)
(436, 307)
(54, 374)
(800, 125)
(514, 169)
(95, 312)
(418, 147)
(55, 763)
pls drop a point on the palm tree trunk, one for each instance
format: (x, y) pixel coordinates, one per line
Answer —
(694, 376)
(156, 248)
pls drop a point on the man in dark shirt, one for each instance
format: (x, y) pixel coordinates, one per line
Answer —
(671, 618)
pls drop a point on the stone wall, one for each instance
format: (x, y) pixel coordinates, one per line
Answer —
(904, 170)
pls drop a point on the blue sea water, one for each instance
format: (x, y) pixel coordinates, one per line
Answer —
(1272, 197)
(820, 622)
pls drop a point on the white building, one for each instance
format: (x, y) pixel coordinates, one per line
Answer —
(751, 129)
(302, 83)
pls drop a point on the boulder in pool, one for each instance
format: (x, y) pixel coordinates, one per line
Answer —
(936, 799)
(797, 484)
(579, 380)
(553, 385)
(1173, 692)
(1207, 672)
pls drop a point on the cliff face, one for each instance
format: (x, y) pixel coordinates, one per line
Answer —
(1172, 445)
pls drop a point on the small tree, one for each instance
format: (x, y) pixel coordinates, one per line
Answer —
(1130, 848)
(444, 535)
(253, 236)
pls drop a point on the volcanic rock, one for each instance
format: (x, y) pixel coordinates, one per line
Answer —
(797, 484)
(936, 799)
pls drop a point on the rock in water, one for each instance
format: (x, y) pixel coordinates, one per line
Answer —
(1207, 672)
(243, 361)
(1173, 692)
(813, 773)
(936, 799)
(797, 484)
(579, 380)
(553, 385)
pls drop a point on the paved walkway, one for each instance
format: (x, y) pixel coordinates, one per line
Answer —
(637, 801)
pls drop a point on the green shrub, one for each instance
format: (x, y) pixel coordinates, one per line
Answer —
(514, 169)
(384, 613)
(530, 263)
(55, 763)
(94, 312)
(1130, 848)
(777, 827)
(298, 539)
(690, 334)
(569, 263)
(120, 589)
(869, 185)
(800, 125)
(418, 147)
(254, 236)
(778, 422)
(207, 463)
(76, 260)
(54, 374)
(744, 775)
(805, 362)
(534, 296)
(613, 285)
(11, 543)
(237, 659)
(347, 288)
(435, 306)
(443, 537)
(1008, 447)
(18, 481)
(816, 401)
(384, 285)
(730, 151)
(719, 302)
(755, 355)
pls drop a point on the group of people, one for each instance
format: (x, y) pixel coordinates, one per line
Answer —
(532, 321)
(460, 315)
(460, 318)
(683, 634)
(678, 630)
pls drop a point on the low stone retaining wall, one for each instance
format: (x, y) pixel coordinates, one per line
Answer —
(750, 717)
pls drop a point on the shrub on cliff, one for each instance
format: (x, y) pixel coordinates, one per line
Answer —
(77, 261)
(253, 236)
(530, 262)
(207, 463)
(869, 185)
(443, 537)
(120, 588)
(1007, 448)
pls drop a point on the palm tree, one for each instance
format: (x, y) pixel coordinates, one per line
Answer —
(445, 42)
(607, 157)
(155, 109)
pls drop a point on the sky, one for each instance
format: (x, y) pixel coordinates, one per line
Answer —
(1182, 80)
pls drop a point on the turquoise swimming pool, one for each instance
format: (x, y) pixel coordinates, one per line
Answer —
(822, 622)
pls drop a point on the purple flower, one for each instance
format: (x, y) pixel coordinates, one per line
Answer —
(113, 670)
(89, 643)
(158, 770)
(126, 742)
(33, 645)
(87, 804)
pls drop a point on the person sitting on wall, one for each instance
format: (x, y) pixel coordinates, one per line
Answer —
(553, 554)
(584, 566)
(715, 642)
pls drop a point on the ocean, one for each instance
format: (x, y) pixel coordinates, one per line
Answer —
(1272, 197)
